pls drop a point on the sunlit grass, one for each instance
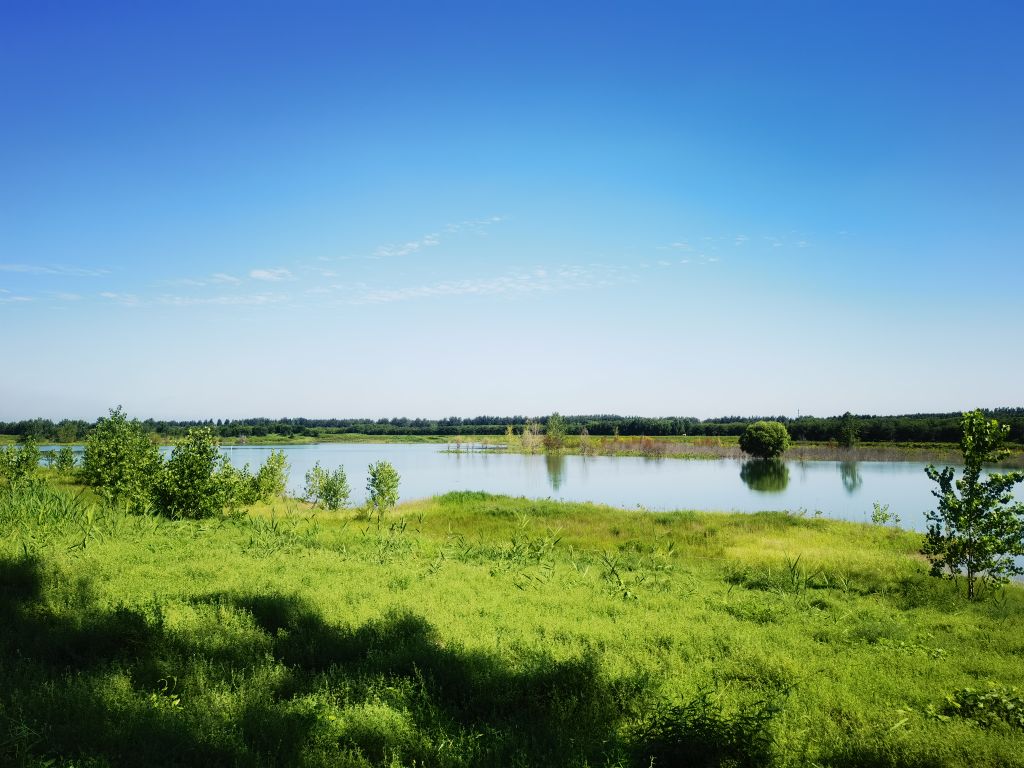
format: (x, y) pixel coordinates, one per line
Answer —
(482, 630)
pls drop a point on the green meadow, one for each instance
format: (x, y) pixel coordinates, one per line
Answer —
(470, 630)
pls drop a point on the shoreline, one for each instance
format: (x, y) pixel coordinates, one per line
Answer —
(695, 449)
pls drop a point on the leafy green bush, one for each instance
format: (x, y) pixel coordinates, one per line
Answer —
(994, 706)
(18, 464)
(848, 430)
(245, 488)
(197, 480)
(272, 477)
(978, 533)
(65, 461)
(880, 515)
(329, 487)
(699, 733)
(765, 439)
(121, 461)
(554, 433)
(381, 489)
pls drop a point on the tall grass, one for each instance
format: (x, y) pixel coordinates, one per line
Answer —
(481, 630)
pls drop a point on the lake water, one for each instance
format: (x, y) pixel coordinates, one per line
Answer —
(844, 490)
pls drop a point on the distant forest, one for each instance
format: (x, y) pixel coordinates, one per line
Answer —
(917, 428)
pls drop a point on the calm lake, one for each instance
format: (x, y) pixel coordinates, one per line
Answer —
(843, 490)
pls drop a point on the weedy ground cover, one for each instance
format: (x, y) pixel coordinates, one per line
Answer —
(474, 630)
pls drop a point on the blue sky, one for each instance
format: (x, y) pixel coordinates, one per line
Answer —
(426, 209)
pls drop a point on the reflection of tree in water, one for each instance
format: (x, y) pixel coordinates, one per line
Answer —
(555, 463)
(765, 475)
(851, 477)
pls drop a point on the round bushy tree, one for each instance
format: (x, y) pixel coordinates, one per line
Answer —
(196, 481)
(765, 439)
(121, 461)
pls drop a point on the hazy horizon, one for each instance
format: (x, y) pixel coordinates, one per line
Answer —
(528, 416)
(215, 211)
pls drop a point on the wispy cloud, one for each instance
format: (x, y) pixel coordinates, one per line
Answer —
(217, 278)
(473, 224)
(701, 258)
(41, 269)
(336, 288)
(404, 249)
(125, 299)
(539, 280)
(250, 300)
(679, 245)
(6, 297)
(433, 239)
(272, 275)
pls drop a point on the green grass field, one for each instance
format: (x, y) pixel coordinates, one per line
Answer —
(481, 630)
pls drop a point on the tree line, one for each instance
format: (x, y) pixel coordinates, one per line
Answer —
(919, 427)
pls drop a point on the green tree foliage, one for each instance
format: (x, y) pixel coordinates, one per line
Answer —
(18, 464)
(272, 477)
(197, 480)
(979, 531)
(331, 488)
(120, 460)
(268, 482)
(765, 439)
(846, 434)
(917, 427)
(65, 462)
(554, 433)
(381, 489)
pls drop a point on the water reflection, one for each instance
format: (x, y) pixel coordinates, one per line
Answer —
(628, 481)
(851, 476)
(765, 475)
(555, 463)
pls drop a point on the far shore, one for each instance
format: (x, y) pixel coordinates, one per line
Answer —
(673, 447)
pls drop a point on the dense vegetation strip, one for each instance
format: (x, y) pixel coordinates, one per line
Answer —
(925, 427)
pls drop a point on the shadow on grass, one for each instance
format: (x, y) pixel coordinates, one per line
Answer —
(115, 686)
(266, 681)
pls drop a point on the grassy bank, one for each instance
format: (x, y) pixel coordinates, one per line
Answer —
(479, 630)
